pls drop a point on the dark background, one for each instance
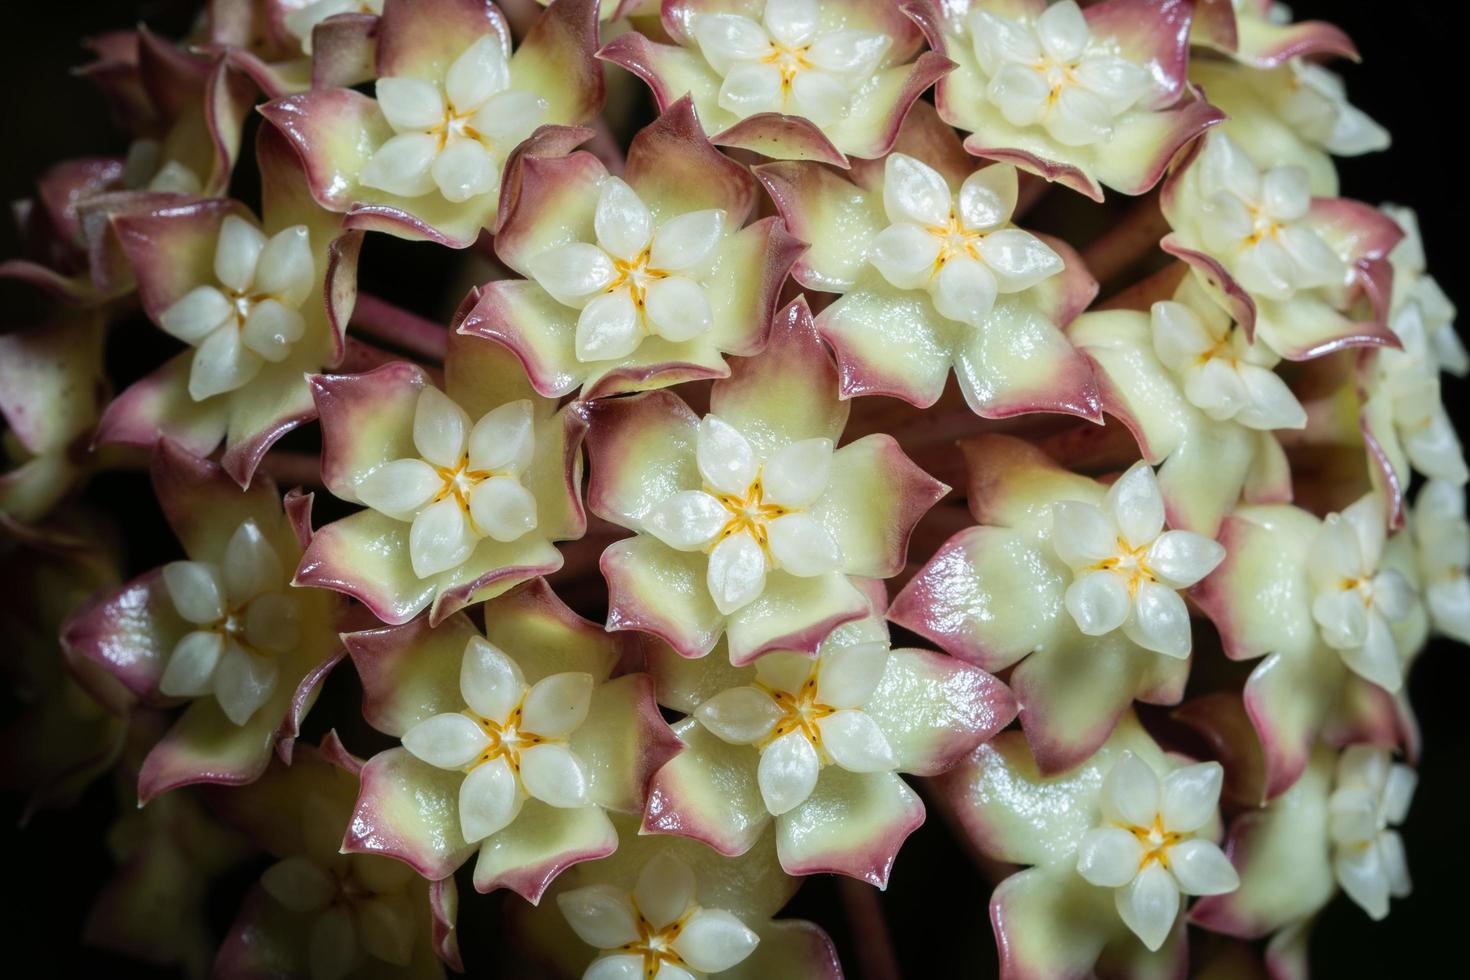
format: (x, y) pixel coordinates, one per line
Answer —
(1413, 81)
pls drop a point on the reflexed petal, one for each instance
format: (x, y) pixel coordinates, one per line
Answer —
(608, 327)
(250, 565)
(855, 742)
(687, 241)
(737, 572)
(1019, 259)
(507, 118)
(552, 774)
(1082, 534)
(1316, 263)
(1021, 94)
(440, 428)
(1182, 558)
(1136, 505)
(502, 508)
(196, 314)
(819, 97)
(465, 169)
(1398, 793)
(1098, 601)
(271, 329)
(477, 74)
(797, 475)
(191, 666)
(221, 364)
(802, 546)
(243, 682)
(447, 741)
(688, 520)
(713, 939)
(399, 488)
(787, 773)
(1109, 856)
(1063, 32)
(556, 706)
(624, 223)
(504, 439)
(905, 254)
(299, 885)
(402, 165)
(411, 104)
(488, 800)
(914, 191)
(271, 623)
(791, 23)
(725, 39)
(1130, 792)
(678, 309)
(848, 52)
(847, 676)
(196, 591)
(1361, 874)
(1149, 905)
(1377, 659)
(664, 890)
(739, 715)
(725, 458)
(601, 916)
(573, 272)
(237, 252)
(1190, 795)
(1201, 868)
(490, 682)
(988, 197)
(964, 290)
(751, 88)
(1160, 620)
(440, 538)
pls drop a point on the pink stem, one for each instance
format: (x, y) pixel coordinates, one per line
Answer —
(1129, 239)
(876, 960)
(393, 325)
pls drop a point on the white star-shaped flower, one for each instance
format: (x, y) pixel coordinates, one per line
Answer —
(1371, 796)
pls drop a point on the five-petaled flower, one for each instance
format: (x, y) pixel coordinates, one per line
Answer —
(1370, 797)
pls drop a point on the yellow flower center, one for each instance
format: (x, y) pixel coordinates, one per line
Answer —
(749, 514)
(790, 62)
(635, 277)
(656, 946)
(507, 740)
(799, 712)
(1156, 842)
(1129, 562)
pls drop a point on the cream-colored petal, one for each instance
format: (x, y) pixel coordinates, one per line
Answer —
(1159, 621)
(222, 363)
(678, 309)
(905, 254)
(440, 428)
(964, 290)
(725, 458)
(739, 715)
(1018, 259)
(988, 197)
(236, 253)
(197, 591)
(1109, 856)
(399, 488)
(477, 74)
(573, 272)
(411, 105)
(503, 509)
(623, 222)
(271, 330)
(713, 940)
(600, 915)
(736, 574)
(688, 241)
(855, 742)
(556, 706)
(197, 314)
(504, 440)
(490, 682)
(787, 773)
(796, 476)
(664, 890)
(803, 547)
(440, 538)
(553, 775)
(608, 327)
(914, 191)
(688, 521)
(1136, 505)
(1098, 601)
(489, 800)
(447, 741)
(465, 169)
(403, 165)
(191, 666)
(243, 682)
(1149, 905)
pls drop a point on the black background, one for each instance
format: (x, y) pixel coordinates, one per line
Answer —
(1413, 81)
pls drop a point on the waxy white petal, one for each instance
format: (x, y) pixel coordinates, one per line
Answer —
(688, 520)
(820, 97)
(1136, 505)
(725, 458)
(1082, 534)
(465, 169)
(1149, 905)
(739, 715)
(504, 439)
(490, 682)
(447, 741)
(236, 253)
(197, 314)
(399, 488)
(623, 222)
(1130, 792)
(1201, 868)
(796, 475)
(1062, 31)
(1098, 602)
(608, 327)
(556, 706)
(243, 682)
(752, 88)
(222, 363)
(802, 547)
(1019, 259)
(905, 254)
(271, 330)
(964, 290)
(403, 165)
(727, 39)
(502, 508)
(848, 676)
(553, 775)
(737, 573)
(250, 565)
(687, 241)
(713, 940)
(914, 191)
(601, 916)
(664, 890)
(1181, 558)
(477, 74)
(988, 197)
(196, 589)
(792, 23)
(1160, 620)
(440, 538)
(1190, 795)
(1109, 856)
(855, 742)
(489, 800)
(788, 772)
(440, 428)
(678, 308)
(410, 104)
(191, 666)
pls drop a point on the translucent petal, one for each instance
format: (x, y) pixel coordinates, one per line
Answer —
(1342, 617)
(725, 458)
(608, 328)
(688, 241)
(1160, 620)
(250, 565)
(1181, 558)
(1285, 193)
(507, 118)
(1268, 269)
(1019, 259)
(1316, 263)
(855, 54)
(855, 742)
(403, 165)
(914, 191)
(848, 676)
(385, 928)
(411, 105)
(190, 669)
(504, 439)
(448, 741)
(819, 96)
(905, 254)
(1270, 404)
(197, 591)
(621, 967)
(243, 682)
(752, 88)
(796, 475)
(1377, 659)
(440, 428)
(713, 940)
(601, 916)
(1062, 31)
(553, 775)
(272, 624)
(678, 308)
(623, 222)
(737, 572)
(1098, 602)
(964, 290)
(1191, 794)
(440, 538)
(999, 40)
(787, 773)
(331, 944)
(556, 706)
(1149, 905)
(236, 253)
(477, 74)
(1130, 792)
(802, 547)
(465, 169)
(664, 890)
(1136, 505)
(1180, 336)
(489, 800)
(573, 272)
(502, 508)
(1021, 94)
(1119, 83)
(222, 363)
(1201, 868)
(299, 885)
(196, 314)
(739, 715)
(399, 488)
(792, 23)
(490, 682)
(271, 330)
(727, 39)
(1361, 874)
(988, 197)
(688, 520)
(785, 670)
(1109, 856)
(1082, 534)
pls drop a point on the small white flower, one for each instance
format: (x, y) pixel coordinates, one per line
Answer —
(1313, 102)
(1147, 847)
(1412, 283)
(1409, 378)
(1220, 371)
(1443, 538)
(1354, 600)
(456, 135)
(787, 63)
(1051, 72)
(658, 932)
(253, 315)
(303, 20)
(962, 249)
(243, 617)
(1252, 222)
(751, 516)
(511, 741)
(465, 485)
(1127, 568)
(637, 280)
(1371, 795)
(802, 714)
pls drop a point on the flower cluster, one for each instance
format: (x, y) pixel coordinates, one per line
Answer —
(613, 538)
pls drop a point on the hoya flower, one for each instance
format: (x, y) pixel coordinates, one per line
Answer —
(1443, 536)
(1112, 843)
(453, 110)
(465, 488)
(748, 520)
(657, 929)
(1330, 610)
(789, 79)
(303, 21)
(1370, 798)
(1200, 400)
(1071, 583)
(1261, 33)
(259, 303)
(1126, 569)
(640, 281)
(673, 909)
(815, 745)
(1292, 269)
(515, 742)
(288, 46)
(933, 274)
(1355, 599)
(52, 389)
(221, 629)
(1412, 284)
(318, 913)
(1087, 98)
